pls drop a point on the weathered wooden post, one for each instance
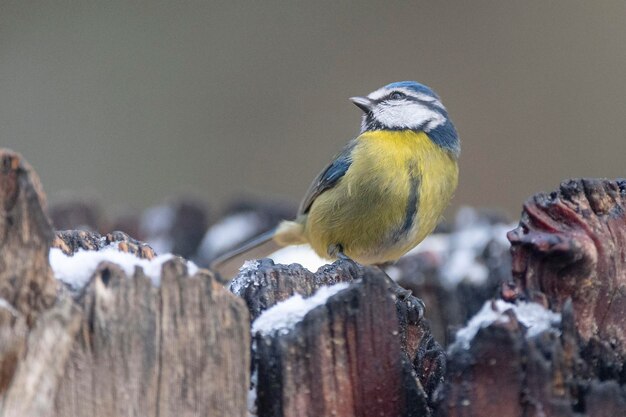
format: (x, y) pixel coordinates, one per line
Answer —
(356, 345)
(172, 344)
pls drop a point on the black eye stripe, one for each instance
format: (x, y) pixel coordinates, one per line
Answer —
(426, 103)
(429, 103)
(388, 98)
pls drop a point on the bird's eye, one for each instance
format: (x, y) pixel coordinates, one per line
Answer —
(396, 95)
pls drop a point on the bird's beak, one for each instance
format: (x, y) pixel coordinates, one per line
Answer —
(363, 103)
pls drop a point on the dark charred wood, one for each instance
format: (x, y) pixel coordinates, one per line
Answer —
(346, 354)
(506, 373)
(368, 344)
(266, 284)
(487, 379)
(605, 399)
(70, 241)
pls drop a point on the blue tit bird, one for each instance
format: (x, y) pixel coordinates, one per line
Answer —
(383, 193)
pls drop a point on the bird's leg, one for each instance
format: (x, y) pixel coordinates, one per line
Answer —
(404, 294)
(336, 251)
(344, 257)
(398, 290)
(384, 265)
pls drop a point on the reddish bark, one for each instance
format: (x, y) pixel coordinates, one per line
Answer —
(571, 243)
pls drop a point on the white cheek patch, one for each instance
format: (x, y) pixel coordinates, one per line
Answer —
(408, 115)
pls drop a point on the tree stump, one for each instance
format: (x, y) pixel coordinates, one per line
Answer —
(569, 260)
(362, 351)
(120, 345)
(571, 244)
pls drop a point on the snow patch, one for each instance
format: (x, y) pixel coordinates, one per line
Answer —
(76, 270)
(246, 276)
(461, 265)
(283, 316)
(436, 243)
(299, 254)
(533, 316)
(227, 233)
(249, 266)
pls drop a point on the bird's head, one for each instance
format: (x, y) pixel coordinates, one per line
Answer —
(408, 105)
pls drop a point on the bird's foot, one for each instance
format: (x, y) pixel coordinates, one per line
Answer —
(354, 264)
(415, 304)
(336, 251)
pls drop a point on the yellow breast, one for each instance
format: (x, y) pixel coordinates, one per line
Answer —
(390, 198)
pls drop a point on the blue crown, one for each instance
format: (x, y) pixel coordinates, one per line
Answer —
(414, 86)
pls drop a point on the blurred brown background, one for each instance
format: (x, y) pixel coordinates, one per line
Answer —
(138, 101)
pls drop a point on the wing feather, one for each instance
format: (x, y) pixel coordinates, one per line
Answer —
(328, 177)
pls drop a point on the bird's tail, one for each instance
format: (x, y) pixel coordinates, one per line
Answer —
(287, 233)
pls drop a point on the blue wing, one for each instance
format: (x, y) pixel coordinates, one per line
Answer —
(328, 177)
